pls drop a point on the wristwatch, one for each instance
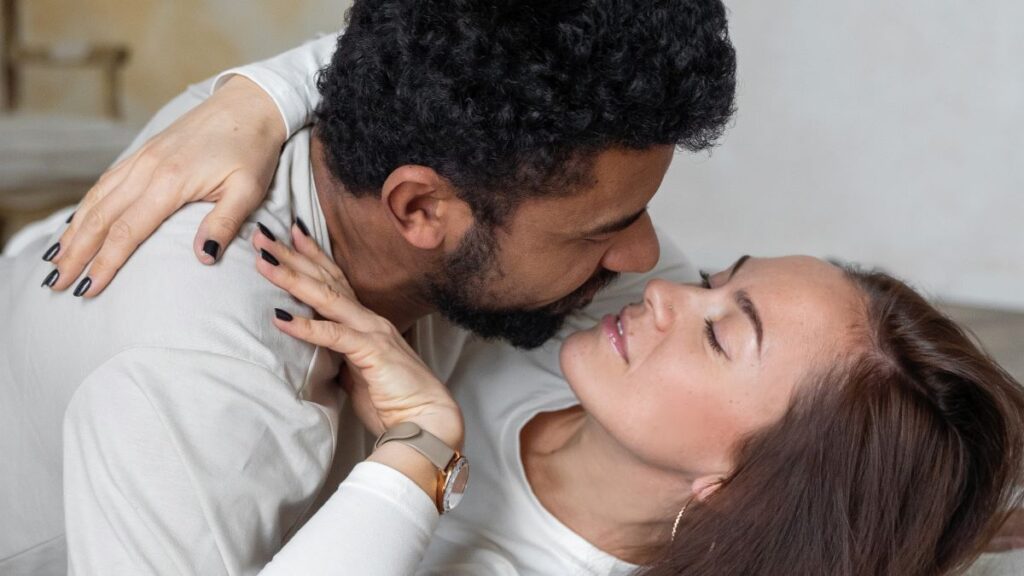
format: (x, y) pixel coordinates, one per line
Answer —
(452, 467)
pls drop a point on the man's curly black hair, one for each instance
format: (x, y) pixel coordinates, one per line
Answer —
(511, 99)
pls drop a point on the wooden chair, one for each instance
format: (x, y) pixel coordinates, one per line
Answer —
(15, 55)
(49, 161)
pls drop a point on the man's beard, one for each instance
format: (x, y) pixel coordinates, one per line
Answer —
(458, 290)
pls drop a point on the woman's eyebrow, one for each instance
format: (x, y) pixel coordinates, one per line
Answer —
(736, 267)
(745, 304)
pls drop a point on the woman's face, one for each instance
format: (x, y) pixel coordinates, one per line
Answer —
(696, 368)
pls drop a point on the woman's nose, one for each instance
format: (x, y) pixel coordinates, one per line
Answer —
(662, 297)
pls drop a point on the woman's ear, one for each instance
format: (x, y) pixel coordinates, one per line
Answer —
(424, 208)
(706, 486)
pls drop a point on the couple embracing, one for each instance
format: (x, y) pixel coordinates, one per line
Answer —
(435, 333)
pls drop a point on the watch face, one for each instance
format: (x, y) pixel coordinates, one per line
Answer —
(455, 487)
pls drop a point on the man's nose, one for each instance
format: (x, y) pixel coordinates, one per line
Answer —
(635, 249)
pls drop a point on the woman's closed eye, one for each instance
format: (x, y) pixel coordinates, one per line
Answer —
(709, 326)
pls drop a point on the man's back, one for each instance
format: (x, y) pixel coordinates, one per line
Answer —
(189, 440)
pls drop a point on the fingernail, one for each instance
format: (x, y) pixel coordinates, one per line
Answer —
(283, 315)
(51, 252)
(212, 248)
(51, 279)
(83, 286)
(266, 232)
(68, 221)
(302, 226)
(269, 257)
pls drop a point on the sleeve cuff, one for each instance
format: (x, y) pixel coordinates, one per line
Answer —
(277, 88)
(389, 484)
(290, 79)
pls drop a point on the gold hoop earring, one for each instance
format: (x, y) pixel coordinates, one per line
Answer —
(675, 525)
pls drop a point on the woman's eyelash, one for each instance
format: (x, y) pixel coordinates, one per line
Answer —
(709, 326)
(709, 329)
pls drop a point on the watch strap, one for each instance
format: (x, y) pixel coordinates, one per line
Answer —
(410, 434)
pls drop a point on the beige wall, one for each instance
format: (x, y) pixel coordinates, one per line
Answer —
(173, 43)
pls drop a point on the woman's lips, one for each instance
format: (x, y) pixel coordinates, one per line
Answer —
(611, 324)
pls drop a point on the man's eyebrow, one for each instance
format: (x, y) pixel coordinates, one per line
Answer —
(618, 225)
(747, 306)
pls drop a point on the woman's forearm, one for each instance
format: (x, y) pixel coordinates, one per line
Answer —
(378, 522)
(290, 79)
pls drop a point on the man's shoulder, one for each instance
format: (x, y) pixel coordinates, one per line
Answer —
(163, 298)
(218, 449)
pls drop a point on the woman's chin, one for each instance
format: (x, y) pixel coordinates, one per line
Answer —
(579, 359)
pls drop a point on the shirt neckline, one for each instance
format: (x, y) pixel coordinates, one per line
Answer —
(582, 550)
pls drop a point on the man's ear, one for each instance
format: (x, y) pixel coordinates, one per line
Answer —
(706, 486)
(424, 207)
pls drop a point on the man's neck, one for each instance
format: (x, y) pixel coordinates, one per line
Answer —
(597, 488)
(381, 267)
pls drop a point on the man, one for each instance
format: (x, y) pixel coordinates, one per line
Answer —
(493, 164)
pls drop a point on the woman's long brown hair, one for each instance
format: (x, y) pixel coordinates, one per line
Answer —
(899, 461)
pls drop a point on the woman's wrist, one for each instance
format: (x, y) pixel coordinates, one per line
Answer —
(444, 422)
(243, 94)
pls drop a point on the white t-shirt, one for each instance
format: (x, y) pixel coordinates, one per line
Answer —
(500, 528)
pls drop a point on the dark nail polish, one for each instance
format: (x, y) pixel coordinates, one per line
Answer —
(51, 252)
(83, 286)
(302, 226)
(269, 257)
(283, 315)
(51, 279)
(266, 232)
(212, 248)
(68, 221)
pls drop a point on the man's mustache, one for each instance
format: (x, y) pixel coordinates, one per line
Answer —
(583, 295)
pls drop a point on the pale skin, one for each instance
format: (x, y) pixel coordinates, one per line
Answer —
(664, 424)
(654, 429)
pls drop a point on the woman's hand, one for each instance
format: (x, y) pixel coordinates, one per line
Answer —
(390, 383)
(225, 150)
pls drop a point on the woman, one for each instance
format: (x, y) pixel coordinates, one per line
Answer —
(786, 416)
(857, 431)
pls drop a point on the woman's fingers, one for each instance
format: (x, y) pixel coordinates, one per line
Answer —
(131, 228)
(240, 196)
(334, 335)
(322, 296)
(103, 187)
(265, 239)
(305, 245)
(89, 229)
